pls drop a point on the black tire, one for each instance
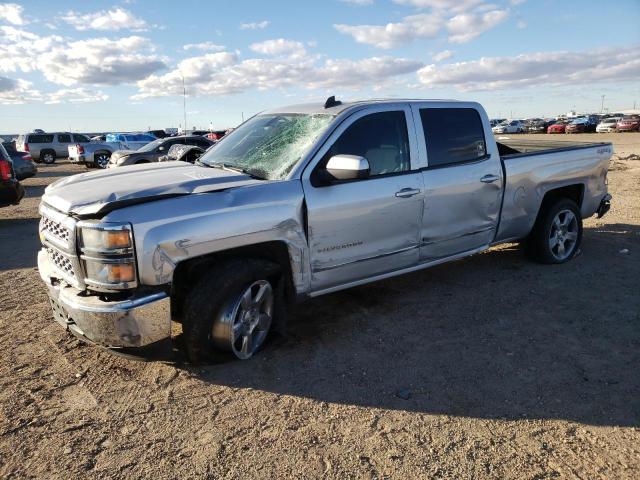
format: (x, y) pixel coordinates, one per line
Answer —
(538, 244)
(212, 294)
(101, 159)
(48, 157)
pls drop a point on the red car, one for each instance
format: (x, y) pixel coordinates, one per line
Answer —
(558, 127)
(580, 125)
(629, 123)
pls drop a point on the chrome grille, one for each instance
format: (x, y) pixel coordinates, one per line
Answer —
(61, 262)
(57, 232)
(56, 229)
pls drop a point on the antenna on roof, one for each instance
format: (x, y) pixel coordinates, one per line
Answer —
(332, 102)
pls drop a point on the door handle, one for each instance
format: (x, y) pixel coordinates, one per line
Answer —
(489, 178)
(407, 192)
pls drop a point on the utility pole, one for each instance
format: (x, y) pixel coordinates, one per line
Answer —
(184, 104)
(602, 105)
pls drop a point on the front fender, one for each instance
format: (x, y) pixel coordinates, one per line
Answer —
(170, 231)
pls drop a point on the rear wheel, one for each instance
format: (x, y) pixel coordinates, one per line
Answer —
(101, 159)
(48, 156)
(557, 233)
(232, 309)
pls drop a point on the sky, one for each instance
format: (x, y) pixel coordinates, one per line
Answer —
(120, 65)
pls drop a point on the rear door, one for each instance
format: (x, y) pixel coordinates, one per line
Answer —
(463, 181)
(365, 227)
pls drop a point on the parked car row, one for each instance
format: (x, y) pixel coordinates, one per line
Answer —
(582, 124)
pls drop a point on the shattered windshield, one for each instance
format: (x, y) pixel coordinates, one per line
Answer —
(268, 146)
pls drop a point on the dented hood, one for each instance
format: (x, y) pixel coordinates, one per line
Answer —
(95, 193)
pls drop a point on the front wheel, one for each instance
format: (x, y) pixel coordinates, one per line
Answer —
(231, 309)
(557, 233)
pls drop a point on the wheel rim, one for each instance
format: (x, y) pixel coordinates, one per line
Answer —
(102, 160)
(563, 236)
(244, 324)
(48, 158)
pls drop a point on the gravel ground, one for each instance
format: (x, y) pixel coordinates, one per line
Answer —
(489, 367)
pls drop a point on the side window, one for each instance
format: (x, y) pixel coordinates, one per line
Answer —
(453, 135)
(40, 139)
(64, 138)
(80, 138)
(381, 138)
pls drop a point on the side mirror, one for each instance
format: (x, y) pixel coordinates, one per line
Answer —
(348, 167)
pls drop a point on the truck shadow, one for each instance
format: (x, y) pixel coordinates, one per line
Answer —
(20, 243)
(492, 336)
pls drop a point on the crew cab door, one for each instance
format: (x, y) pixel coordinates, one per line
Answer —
(364, 227)
(463, 181)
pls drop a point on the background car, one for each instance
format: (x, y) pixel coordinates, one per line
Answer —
(629, 123)
(607, 125)
(509, 126)
(47, 147)
(11, 191)
(183, 153)
(23, 164)
(97, 154)
(216, 134)
(558, 127)
(539, 125)
(151, 152)
(581, 125)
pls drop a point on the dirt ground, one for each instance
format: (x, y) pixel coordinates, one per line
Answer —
(489, 367)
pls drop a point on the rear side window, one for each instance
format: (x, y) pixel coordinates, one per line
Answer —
(40, 138)
(64, 138)
(381, 138)
(453, 135)
(80, 138)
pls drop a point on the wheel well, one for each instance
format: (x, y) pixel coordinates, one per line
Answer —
(188, 272)
(572, 192)
(141, 161)
(102, 151)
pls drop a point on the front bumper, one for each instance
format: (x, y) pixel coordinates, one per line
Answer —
(135, 322)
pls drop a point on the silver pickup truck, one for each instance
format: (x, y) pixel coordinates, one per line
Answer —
(298, 202)
(97, 154)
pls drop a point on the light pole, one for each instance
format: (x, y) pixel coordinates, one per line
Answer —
(602, 105)
(184, 105)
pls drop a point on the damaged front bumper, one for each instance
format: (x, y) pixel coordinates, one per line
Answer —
(137, 321)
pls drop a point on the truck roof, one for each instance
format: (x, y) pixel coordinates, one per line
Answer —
(318, 107)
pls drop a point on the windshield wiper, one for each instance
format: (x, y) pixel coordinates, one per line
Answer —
(233, 168)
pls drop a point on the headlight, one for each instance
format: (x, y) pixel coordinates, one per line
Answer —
(108, 256)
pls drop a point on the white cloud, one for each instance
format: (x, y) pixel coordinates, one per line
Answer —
(358, 3)
(444, 55)
(224, 74)
(254, 25)
(279, 46)
(536, 69)
(75, 95)
(467, 26)
(113, 20)
(17, 92)
(444, 5)
(393, 35)
(100, 61)
(20, 49)
(204, 46)
(11, 13)
(516, 2)
(521, 24)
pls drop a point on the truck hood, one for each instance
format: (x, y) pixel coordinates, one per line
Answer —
(94, 193)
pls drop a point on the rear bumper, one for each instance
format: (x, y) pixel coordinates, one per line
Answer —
(135, 322)
(605, 205)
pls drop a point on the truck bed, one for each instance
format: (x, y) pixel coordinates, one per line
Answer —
(534, 167)
(510, 147)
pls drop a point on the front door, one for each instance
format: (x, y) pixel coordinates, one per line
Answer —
(361, 228)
